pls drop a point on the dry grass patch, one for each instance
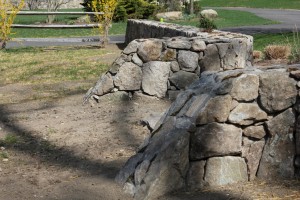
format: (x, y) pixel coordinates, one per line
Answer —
(257, 55)
(277, 52)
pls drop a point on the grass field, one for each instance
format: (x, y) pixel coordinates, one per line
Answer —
(226, 18)
(50, 65)
(280, 4)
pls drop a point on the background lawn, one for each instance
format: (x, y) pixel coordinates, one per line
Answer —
(281, 4)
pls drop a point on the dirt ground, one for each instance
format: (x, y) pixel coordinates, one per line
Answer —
(53, 147)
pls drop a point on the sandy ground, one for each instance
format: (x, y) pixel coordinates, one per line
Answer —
(53, 147)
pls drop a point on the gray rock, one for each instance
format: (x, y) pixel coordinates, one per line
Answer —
(194, 106)
(211, 60)
(257, 132)
(152, 120)
(245, 87)
(129, 77)
(225, 170)
(136, 60)
(277, 91)
(180, 101)
(104, 85)
(131, 47)
(235, 57)
(252, 151)
(217, 109)
(140, 172)
(215, 139)
(277, 161)
(222, 47)
(117, 64)
(188, 61)
(155, 78)
(298, 136)
(209, 13)
(150, 50)
(169, 55)
(247, 114)
(195, 177)
(183, 79)
(198, 45)
(179, 43)
(175, 66)
(173, 94)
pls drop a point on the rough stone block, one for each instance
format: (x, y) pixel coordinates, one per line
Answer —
(245, 87)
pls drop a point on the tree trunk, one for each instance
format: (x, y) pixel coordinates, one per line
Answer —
(105, 38)
(191, 7)
(2, 44)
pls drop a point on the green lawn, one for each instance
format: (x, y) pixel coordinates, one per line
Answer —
(231, 18)
(263, 40)
(282, 4)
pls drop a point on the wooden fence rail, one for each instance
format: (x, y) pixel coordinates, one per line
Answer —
(56, 26)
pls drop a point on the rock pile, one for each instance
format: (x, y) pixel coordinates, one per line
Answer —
(160, 67)
(226, 127)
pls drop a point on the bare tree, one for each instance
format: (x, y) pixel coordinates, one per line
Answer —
(33, 4)
(53, 6)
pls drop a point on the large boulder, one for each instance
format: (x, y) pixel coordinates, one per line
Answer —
(129, 77)
(183, 79)
(211, 60)
(188, 60)
(209, 13)
(150, 50)
(245, 87)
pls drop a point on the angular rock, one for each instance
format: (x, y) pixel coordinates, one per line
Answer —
(180, 101)
(245, 87)
(183, 79)
(281, 123)
(131, 47)
(257, 132)
(175, 66)
(155, 78)
(150, 50)
(152, 120)
(217, 109)
(188, 61)
(225, 170)
(235, 57)
(117, 64)
(104, 85)
(222, 47)
(277, 91)
(195, 177)
(173, 94)
(169, 55)
(136, 60)
(247, 114)
(252, 151)
(277, 161)
(198, 45)
(129, 77)
(211, 60)
(178, 43)
(215, 139)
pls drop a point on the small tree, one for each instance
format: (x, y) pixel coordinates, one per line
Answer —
(8, 13)
(107, 7)
(33, 4)
(53, 6)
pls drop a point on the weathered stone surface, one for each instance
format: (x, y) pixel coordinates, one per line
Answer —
(281, 123)
(278, 156)
(175, 66)
(246, 114)
(222, 47)
(225, 170)
(211, 60)
(179, 43)
(277, 91)
(209, 13)
(104, 85)
(235, 57)
(182, 79)
(117, 64)
(180, 101)
(155, 78)
(198, 45)
(257, 132)
(136, 60)
(298, 136)
(245, 87)
(195, 177)
(131, 47)
(129, 77)
(169, 55)
(217, 109)
(295, 74)
(215, 139)
(173, 94)
(150, 50)
(252, 151)
(188, 61)
(152, 120)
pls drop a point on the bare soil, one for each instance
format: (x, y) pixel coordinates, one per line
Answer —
(53, 147)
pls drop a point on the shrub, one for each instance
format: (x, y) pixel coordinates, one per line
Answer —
(207, 24)
(257, 55)
(277, 51)
(295, 45)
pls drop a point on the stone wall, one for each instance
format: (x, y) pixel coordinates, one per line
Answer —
(163, 67)
(227, 127)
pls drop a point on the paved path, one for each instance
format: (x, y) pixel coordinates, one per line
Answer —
(288, 19)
